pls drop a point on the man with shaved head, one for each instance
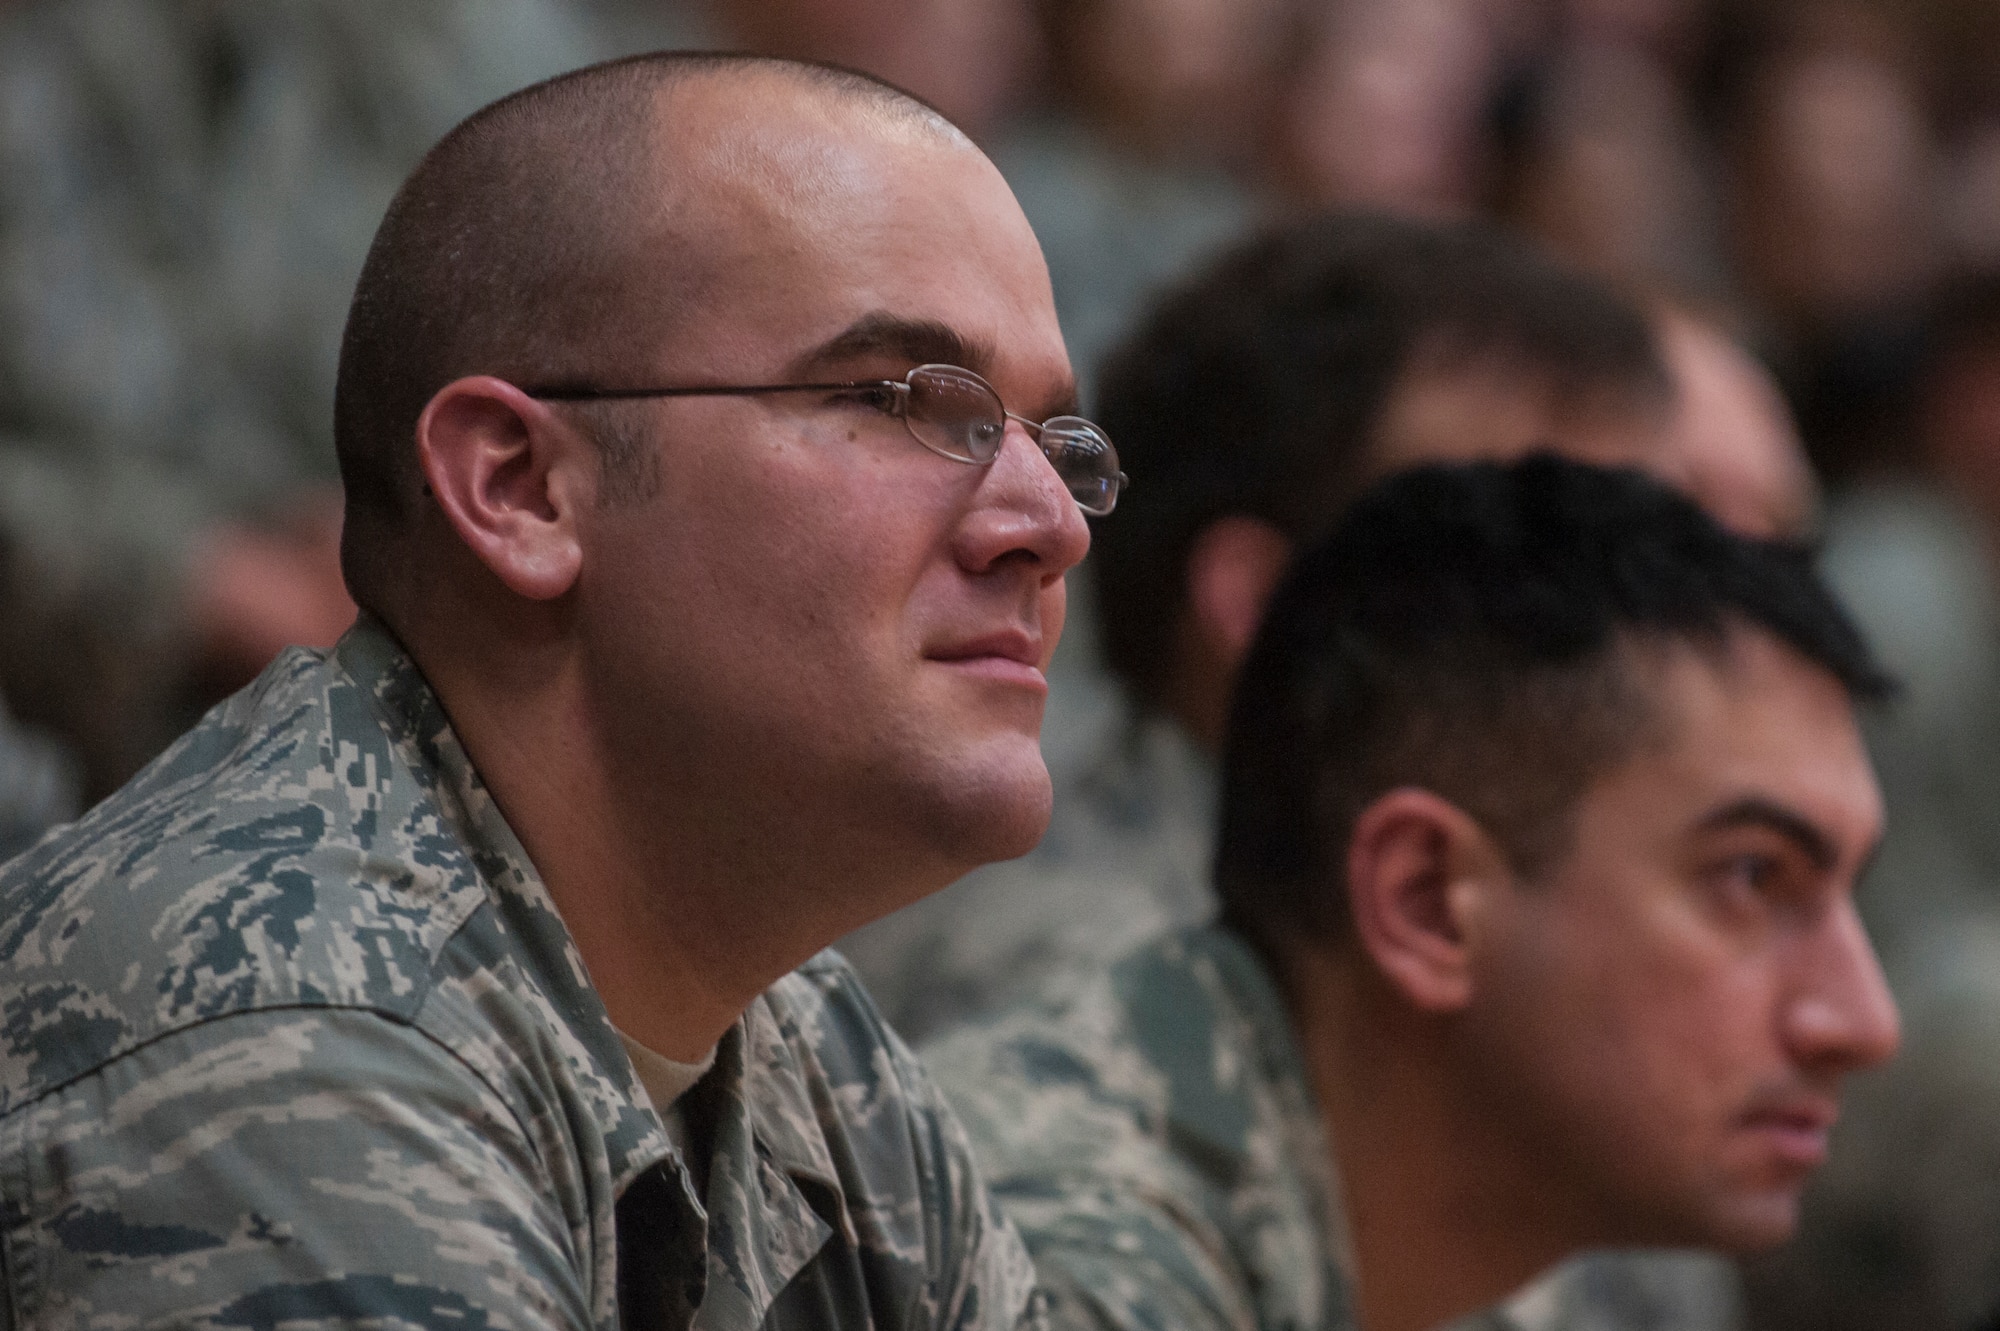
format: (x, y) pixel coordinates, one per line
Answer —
(465, 975)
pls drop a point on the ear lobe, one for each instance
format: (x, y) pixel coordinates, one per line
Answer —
(1418, 871)
(1233, 568)
(502, 468)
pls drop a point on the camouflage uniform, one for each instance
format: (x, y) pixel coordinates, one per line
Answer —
(294, 1034)
(1151, 1131)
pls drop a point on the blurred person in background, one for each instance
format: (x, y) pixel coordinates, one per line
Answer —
(1915, 553)
(1386, 107)
(1834, 221)
(969, 58)
(1733, 444)
(1611, 173)
(1542, 806)
(186, 193)
(1903, 1228)
(1113, 120)
(1836, 176)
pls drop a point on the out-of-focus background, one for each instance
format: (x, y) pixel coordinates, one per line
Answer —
(187, 188)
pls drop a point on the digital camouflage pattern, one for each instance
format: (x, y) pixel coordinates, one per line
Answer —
(1151, 1132)
(293, 1035)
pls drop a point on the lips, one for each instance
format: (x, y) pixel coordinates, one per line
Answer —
(1006, 645)
(1796, 1129)
(1012, 655)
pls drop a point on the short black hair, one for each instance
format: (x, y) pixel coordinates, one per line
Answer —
(1469, 630)
(1256, 388)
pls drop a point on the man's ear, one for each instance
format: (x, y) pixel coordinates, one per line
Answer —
(1419, 873)
(503, 469)
(1233, 568)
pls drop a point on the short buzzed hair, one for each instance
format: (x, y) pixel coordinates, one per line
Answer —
(511, 251)
(1475, 631)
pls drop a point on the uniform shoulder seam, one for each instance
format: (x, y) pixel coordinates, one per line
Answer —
(389, 1015)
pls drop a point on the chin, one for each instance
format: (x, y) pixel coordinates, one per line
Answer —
(1754, 1223)
(1009, 810)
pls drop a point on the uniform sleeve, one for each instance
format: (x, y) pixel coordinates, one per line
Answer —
(915, 1196)
(304, 1167)
(1114, 1256)
(1610, 1291)
(988, 1281)
(1120, 1232)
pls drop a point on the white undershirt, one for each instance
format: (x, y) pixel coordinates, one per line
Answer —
(666, 1081)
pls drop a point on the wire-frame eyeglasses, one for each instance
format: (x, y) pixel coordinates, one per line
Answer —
(951, 411)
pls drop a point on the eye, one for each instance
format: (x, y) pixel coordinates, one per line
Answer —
(1752, 872)
(886, 398)
(1759, 883)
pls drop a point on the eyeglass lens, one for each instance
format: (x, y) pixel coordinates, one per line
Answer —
(954, 413)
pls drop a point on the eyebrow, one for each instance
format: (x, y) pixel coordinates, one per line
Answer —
(1754, 811)
(918, 341)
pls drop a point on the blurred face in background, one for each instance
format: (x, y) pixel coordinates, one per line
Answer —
(1181, 77)
(1385, 108)
(1612, 179)
(1732, 444)
(968, 58)
(1452, 407)
(1837, 174)
(1961, 423)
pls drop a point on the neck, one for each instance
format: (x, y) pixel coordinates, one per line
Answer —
(686, 900)
(1443, 1216)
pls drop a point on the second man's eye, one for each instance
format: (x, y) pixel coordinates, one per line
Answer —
(885, 397)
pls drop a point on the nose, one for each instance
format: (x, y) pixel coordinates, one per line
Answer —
(1023, 512)
(1841, 1017)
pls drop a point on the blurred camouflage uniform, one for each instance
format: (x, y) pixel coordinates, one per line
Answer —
(1125, 859)
(1151, 1131)
(187, 189)
(294, 1034)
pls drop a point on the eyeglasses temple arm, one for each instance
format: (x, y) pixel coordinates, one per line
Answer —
(561, 394)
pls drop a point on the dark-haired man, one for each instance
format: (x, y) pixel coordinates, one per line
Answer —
(1542, 807)
(709, 496)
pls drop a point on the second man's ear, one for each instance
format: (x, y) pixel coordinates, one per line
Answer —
(1232, 569)
(503, 469)
(1420, 873)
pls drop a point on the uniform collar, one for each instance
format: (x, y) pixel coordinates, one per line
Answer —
(552, 966)
(774, 1195)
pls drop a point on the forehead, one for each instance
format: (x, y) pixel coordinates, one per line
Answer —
(1479, 406)
(1747, 719)
(812, 210)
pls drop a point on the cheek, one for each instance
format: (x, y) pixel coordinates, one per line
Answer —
(1645, 1031)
